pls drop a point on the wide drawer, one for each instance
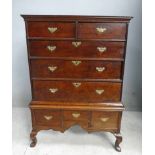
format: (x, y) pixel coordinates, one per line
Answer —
(45, 117)
(75, 91)
(51, 29)
(86, 49)
(101, 30)
(76, 69)
(105, 120)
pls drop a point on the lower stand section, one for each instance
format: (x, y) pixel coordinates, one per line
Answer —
(91, 117)
(118, 141)
(33, 137)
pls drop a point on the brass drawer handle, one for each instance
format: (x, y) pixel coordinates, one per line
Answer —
(53, 90)
(104, 119)
(51, 48)
(76, 115)
(100, 69)
(101, 49)
(76, 84)
(76, 63)
(52, 68)
(48, 117)
(101, 30)
(99, 91)
(52, 29)
(76, 43)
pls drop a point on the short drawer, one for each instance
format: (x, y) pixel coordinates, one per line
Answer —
(76, 91)
(101, 30)
(105, 119)
(86, 49)
(47, 117)
(51, 29)
(75, 115)
(76, 69)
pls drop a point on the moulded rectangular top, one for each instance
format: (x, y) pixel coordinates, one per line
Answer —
(76, 18)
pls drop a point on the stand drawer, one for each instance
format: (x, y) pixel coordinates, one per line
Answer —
(105, 120)
(76, 115)
(45, 117)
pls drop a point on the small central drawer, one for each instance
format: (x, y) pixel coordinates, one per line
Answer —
(101, 30)
(76, 115)
(76, 69)
(51, 29)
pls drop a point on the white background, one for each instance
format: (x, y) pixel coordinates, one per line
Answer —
(132, 83)
(148, 77)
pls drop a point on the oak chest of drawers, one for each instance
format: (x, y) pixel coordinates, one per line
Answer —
(76, 70)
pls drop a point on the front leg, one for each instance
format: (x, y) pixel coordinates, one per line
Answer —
(33, 137)
(118, 141)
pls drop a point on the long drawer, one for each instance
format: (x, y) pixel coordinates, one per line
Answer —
(76, 69)
(75, 91)
(85, 49)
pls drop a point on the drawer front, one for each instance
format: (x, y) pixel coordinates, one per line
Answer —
(75, 91)
(75, 115)
(105, 120)
(101, 30)
(87, 49)
(51, 29)
(76, 69)
(47, 117)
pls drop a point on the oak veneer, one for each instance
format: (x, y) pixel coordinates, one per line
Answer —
(76, 71)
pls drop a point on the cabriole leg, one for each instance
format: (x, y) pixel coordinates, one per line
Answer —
(118, 141)
(33, 137)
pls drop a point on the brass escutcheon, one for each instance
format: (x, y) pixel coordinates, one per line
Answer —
(104, 119)
(101, 30)
(52, 29)
(53, 90)
(101, 49)
(52, 68)
(76, 43)
(76, 63)
(76, 115)
(100, 69)
(48, 117)
(51, 48)
(99, 91)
